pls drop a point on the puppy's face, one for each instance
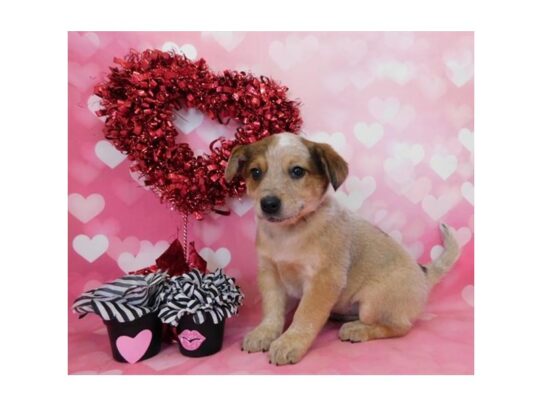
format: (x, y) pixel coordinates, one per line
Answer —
(286, 175)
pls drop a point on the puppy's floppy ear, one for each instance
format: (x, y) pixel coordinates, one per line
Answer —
(330, 162)
(235, 163)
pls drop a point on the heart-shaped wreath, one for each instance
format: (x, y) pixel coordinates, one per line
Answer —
(140, 98)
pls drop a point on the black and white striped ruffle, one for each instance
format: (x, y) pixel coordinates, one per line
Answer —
(125, 299)
(214, 295)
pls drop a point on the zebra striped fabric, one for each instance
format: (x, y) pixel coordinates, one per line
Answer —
(214, 295)
(125, 299)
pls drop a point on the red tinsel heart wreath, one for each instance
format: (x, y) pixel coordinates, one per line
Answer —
(140, 98)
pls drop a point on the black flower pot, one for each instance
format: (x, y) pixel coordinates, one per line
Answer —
(196, 340)
(134, 341)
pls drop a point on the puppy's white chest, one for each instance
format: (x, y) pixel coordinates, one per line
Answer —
(284, 249)
(295, 277)
(294, 265)
(295, 268)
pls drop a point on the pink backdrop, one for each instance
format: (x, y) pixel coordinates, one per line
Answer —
(397, 106)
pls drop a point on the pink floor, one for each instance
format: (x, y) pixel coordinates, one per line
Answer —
(440, 343)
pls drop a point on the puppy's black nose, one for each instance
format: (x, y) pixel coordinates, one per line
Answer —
(270, 204)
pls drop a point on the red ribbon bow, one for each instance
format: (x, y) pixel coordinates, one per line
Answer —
(173, 261)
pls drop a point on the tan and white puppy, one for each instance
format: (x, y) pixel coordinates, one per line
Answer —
(313, 249)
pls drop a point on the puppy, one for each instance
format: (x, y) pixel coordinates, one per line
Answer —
(313, 249)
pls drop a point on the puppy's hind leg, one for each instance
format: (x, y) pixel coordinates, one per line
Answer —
(357, 331)
(367, 328)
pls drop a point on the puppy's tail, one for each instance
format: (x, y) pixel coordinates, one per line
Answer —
(446, 259)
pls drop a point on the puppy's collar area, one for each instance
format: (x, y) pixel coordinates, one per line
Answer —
(302, 219)
(276, 221)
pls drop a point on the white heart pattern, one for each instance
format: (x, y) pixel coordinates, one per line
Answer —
(460, 115)
(187, 120)
(344, 51)
(384, 110)
(188, 50)
(336, 82)
(459, 67)
(412, 152)
(396, 71)
(444, 165)
(90, 248)
(436, 208)
(108, 154)
(368, 134)
(392, 221)
(85, 44)
(463, 235)
(467, 190)
(293, 51)
(241, 206)
(209, 232)
(406, 115)
(210, 130)
(336, 140)
(466, 137)
(359, 191)
(401, 41)
(399, 170)
(87, 208)
(117, 246)
(361, 79)
(147, 255)
(94, 103)
(433, 86)
(229, 40)
(215, 259)
(415, 191)
(138, 177)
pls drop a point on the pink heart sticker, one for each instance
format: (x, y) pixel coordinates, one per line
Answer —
(133, 349)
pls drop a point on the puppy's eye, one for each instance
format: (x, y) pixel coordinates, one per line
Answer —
(297, 172)
(256, 174)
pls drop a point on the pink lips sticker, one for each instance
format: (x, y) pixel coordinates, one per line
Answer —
(133, 349)
(191, 340)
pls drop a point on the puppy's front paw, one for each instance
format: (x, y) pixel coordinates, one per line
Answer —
(260, 339)
(287, 349)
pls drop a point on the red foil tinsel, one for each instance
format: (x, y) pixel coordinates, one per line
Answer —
(139, 99)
